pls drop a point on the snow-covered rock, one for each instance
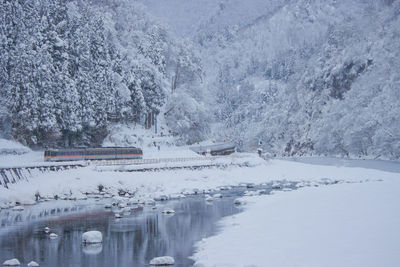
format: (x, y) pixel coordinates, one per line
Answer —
(136, 208)
(18, 208)
(12, 262)
(250, 185)
(161, 198)
(47, 230)
(150, 202)
(53, 236)
(251, 193)
(217, 196)
(207, 191)
(108, 206)
(133, 201)
(162, 261)
(209, 199)
(239, 201)
(126, 210)
(287, 189)
(300, 184)
(195, 191)
(168, 211)
(33, 264)
(176, 196)
(117, 216)
(121, 205)
(92, 237)
(224, 188)
(276, 185)
(26, 199)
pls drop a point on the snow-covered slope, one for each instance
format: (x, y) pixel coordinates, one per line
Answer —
(11, 147)
(305, 76)
(341, 225)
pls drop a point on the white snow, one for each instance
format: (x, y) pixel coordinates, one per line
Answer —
(239, 201)
(18, 208)
(33, 264)
(92, 237)
(53, 236)
(346, 224)
(12, 262)
(350, 223)
(8, 147)
(160, 261)
(164, 183)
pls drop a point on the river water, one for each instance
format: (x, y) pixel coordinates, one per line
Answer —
(142, 234)
(131, 241)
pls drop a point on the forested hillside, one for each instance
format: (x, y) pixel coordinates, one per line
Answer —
(71, 68)
(305, 77)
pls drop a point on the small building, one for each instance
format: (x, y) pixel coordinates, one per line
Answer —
(216, 149)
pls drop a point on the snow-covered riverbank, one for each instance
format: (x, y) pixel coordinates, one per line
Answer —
(347, 224)
(74, 183)
(350, 223)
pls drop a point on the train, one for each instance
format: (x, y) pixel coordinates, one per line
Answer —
(100, 153)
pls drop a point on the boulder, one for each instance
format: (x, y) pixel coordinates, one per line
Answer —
(12, 262)
(92, 237)
(162, 261)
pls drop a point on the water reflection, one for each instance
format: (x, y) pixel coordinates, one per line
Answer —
(131, 241)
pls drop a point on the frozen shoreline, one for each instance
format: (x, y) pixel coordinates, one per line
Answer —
(75, 182)
(347, 224)
(354, 225)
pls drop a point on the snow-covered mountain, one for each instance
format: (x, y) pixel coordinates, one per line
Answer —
(303, 76)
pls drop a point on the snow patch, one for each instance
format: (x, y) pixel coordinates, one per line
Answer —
(162, 261)
(53, 236)
(91, 237)
(8, 147)
(12, 262)
(33, 264)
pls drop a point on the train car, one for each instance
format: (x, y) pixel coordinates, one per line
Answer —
(100, 153)
(215, 149)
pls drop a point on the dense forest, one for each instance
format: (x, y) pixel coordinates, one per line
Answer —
(71, 68)
(306, 77)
